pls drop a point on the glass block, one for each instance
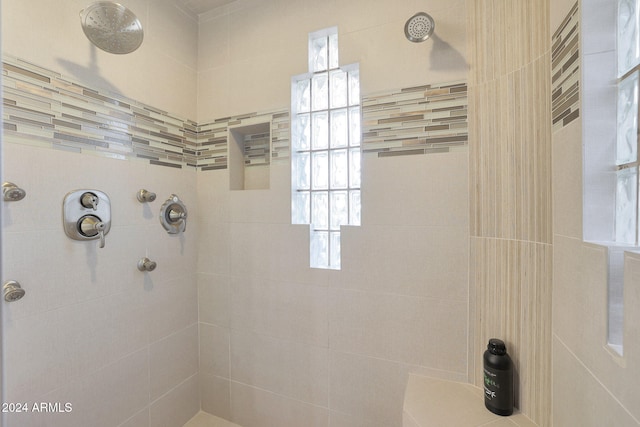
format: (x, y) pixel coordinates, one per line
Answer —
(355, 135)
(301, 171)
(354, 87)
(338, 84)
(320, 210)
(354, 207)
(334, 250)
(354, 168)
(320, 92)
(339, 128)
(320, 170)
(339, 176)
(301, 133)
(318, 54)
(627, 138)
(303, 96)
(320, 130)
(339, 209)
(627, 206)
(628, 39)
(319, 249)
(300, 208)
(333, 51)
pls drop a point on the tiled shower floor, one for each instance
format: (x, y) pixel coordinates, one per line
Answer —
(202, 419)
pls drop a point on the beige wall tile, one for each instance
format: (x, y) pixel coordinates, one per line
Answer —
(215, 395)
(214, 350)
(595, 405)
(567, 181)
(253, 407)
(108, 404)
(368, 391)
(214, 299)
(178, 406)
(173, 360)
(141, 419)
(407, 329)
(279, 309)
(297, 371)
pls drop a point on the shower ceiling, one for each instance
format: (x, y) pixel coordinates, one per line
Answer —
(200, 6)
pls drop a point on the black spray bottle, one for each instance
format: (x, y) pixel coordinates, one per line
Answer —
(498, 378)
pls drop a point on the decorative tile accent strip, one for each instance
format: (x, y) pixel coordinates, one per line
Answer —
(565, 63)
(43, 108)
(417, 120)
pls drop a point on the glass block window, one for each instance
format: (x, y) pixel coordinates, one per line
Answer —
(628, 35)
(325, 148)
(628, 47)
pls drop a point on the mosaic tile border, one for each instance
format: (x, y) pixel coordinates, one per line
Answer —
(41, 107)
(565, 71)
(417, 120)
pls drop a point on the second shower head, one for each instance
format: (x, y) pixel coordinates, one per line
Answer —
(12, 193)
(419, 27)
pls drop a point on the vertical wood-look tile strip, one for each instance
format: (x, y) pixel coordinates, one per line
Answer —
(510, 208)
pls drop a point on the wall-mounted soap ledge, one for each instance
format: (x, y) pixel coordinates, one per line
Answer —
(249, 156)
(431, 402)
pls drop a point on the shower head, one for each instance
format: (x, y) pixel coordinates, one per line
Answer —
(12, 193)
(12, 291)
(419, 27)
(111, 27)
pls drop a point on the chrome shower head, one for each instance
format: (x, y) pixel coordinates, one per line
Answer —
(419, 27)
(12, 291)
(111, 27)
(12, 193)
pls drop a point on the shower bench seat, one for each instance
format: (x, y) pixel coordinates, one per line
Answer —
(432, 402)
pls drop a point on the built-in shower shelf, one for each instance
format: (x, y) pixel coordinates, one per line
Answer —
(249, 156)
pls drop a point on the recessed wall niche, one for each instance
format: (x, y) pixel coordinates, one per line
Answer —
(249, 156)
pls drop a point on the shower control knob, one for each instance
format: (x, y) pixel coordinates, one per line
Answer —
(89, 200)
(145, 264)
(91, 226)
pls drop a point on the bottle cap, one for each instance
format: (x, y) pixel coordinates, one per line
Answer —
(497, 346)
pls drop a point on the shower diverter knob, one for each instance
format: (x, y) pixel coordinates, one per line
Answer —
(87, 215)
(89, 200)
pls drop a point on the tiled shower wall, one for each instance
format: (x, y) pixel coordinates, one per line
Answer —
(592, 384)
(280, 343)
(121, 346)
(510, 192)
(286, 345)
